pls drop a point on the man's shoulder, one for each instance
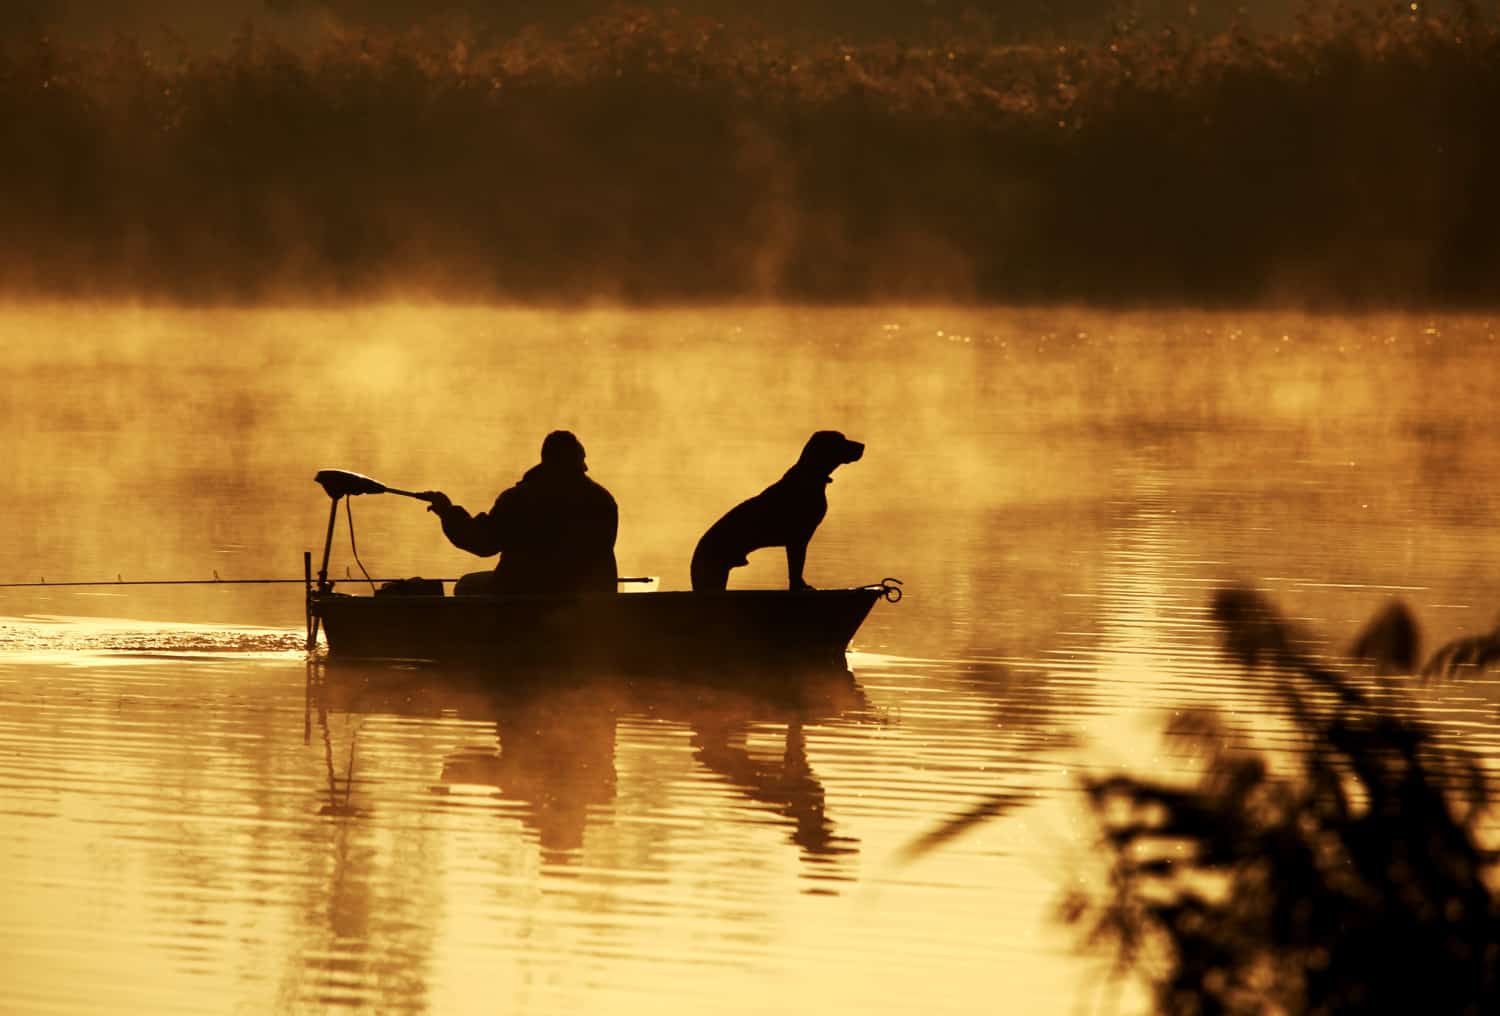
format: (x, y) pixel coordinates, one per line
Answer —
(539, 485)
(598, 490)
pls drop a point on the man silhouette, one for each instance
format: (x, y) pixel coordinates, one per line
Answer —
(554, 530)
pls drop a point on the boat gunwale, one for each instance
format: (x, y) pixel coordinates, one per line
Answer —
(873, 589)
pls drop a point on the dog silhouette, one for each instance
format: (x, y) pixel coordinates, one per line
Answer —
(785, 514)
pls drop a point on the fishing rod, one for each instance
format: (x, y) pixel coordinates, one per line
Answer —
(337, 484)
(216, 581)
(44, 584)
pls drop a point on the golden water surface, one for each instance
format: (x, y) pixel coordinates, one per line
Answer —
(198, 819)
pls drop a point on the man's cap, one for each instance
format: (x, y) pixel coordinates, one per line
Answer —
(563, 449)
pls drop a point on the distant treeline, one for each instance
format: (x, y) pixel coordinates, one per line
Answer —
(662, 158)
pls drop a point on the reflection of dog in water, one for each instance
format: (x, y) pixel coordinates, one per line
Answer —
(785, 514)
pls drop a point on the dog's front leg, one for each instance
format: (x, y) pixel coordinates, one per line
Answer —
(796, 557)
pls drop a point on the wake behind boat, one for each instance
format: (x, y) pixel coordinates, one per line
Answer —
(658, 630)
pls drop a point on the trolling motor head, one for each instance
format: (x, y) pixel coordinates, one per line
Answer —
(337, 483)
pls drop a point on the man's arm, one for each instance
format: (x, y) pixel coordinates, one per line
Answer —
(482, 535)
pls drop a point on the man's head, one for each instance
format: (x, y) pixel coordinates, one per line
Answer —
(561, 450)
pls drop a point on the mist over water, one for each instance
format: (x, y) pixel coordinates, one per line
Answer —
(203, 428)
(192, 824)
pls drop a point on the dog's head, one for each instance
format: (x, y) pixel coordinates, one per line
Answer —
(826, 450)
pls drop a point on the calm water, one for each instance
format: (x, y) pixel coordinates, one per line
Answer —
(199, 820)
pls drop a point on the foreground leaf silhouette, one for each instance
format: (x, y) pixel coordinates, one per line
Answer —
(1349, 878)
(1355, 882)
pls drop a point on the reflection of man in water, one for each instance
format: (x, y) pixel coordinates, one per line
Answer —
(556, 759)
(554, 530)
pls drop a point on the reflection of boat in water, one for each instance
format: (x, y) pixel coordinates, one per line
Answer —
(554, 746)
(648, 630)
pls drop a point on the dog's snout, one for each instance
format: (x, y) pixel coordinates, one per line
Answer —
(854, 450)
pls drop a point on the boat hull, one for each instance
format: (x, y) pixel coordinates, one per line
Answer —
(656, 630)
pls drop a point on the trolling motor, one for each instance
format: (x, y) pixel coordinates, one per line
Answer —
(337, 484)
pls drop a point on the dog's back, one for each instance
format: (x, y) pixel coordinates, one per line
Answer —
(786, 511)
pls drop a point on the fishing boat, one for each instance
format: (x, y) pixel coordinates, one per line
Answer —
(632, 630)
(656, 630)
